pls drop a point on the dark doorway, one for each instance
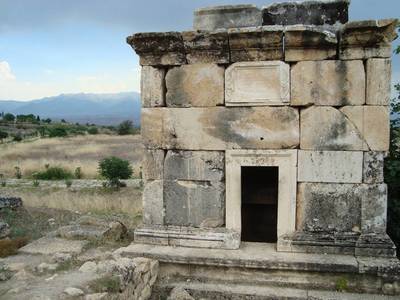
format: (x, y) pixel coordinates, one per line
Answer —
(260, 204)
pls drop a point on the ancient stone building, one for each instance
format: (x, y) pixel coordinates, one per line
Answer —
(267, 125)
(265, 133)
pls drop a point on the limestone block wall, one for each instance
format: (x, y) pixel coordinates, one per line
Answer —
(323, 91)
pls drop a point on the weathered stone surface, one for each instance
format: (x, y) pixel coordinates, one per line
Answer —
(374, 208)
(227, 16)
(195, 85)
(309, 43)
(152, 87)
(307, 12)
(220, 128)
(373, 124)
(323, 207)
(4, 230)
(10, 202)
(378, 81)
(158, 48)
(190, 203)
(257, 83)
(153, 164)
(206, 47)
(373, 167)
(256, 43)
(327, 128)
(330, 166)
(366, 39)
(153, 203)
(179, 293)
(376, 244)
(330, 82)
(194, 165)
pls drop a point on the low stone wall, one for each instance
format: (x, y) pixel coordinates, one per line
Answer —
(76, 184)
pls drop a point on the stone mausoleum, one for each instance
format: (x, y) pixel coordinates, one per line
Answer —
(267, 126)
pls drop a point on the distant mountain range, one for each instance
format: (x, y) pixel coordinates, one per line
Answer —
(101, 109)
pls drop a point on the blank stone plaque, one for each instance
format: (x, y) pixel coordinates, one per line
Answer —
(257, 83)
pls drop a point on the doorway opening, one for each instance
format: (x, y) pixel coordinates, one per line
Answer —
(259, 204)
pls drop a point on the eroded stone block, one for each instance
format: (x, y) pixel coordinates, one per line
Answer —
(307, 12)
(327, 128)
(309, 43)
(373, 124)
(220, 128)
(378, 81)
(158, 48)
(374, 208)
(256, 43)
(152, 86)
(329, 82)
(373, 167)
(194, 165)
(257, 83)
(227, 16)
(195, 85)
(194, 203)
(323, 207)
(153, 164)
(330, 166)
(366, 39)
(206, 47)
(153, 203)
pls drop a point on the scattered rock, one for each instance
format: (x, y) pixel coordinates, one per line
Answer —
(61, 257)
(73, 292)
(50, 246)
(16, 267)
(4, 230)
(88, 267)
(10, 202)
(179, 293)
(116, 232)
(45, 267)
(23, 275)
(97, 296)
(94, 254)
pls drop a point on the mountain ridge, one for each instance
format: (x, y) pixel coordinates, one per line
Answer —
(101, 109)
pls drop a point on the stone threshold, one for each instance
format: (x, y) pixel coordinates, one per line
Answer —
(264, 256)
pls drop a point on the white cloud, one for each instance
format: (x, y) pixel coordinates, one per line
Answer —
(5, 72)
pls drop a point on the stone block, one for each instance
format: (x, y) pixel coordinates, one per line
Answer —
(227, 16)
(373, 124)
(330, 82)
(220, 128)
(326, 207)
(206, 47)
(373, 245)
(153, 164)
(374, 208)
(152, 87)
(197, 85)
(257, 83)
(327, 128)
(366, 39)
(378, 81)
(373, 167)
(306, 12)
(330, 166)
(194, 203)
(256, 43)
(309, 43)
(153, 203)
(158, 48)
(194, 165)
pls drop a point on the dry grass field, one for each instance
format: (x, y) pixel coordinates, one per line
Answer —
(69, 153)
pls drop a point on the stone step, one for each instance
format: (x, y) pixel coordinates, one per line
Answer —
(202, 290)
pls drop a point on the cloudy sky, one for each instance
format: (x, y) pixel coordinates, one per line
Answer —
(49, 47)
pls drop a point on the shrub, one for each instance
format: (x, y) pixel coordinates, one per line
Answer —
(68, 183)
(78, 173)
(114, 169)
(93, 130)
(58, 131)
(36, 183)
(126, 127)
(9, 117)
(53, 173)
(17, 137)
(3, 135)
(18, 173)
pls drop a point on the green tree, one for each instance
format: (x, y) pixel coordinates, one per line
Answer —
(126, 127)
(3, 135)
(9, 117)
(114, 169)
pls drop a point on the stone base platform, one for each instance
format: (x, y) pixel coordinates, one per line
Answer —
(261, 269)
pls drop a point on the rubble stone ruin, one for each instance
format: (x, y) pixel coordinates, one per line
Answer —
(267, 125)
